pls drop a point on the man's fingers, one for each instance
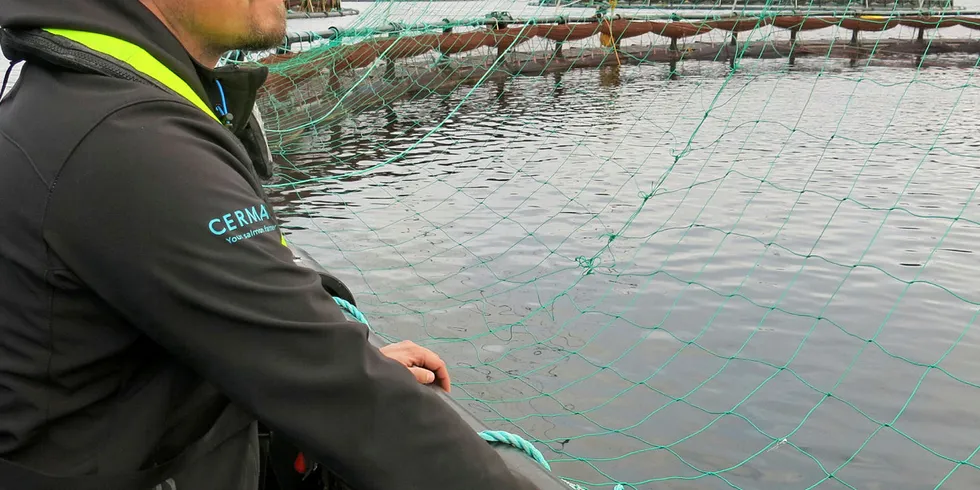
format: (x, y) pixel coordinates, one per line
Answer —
(423, 375)
(419, 359)
(431, 361)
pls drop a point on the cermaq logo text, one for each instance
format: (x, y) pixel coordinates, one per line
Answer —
(240, 219)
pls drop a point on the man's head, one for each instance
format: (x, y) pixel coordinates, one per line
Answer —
(208, 28)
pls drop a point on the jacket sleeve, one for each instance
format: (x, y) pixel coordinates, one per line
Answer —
(160, 221)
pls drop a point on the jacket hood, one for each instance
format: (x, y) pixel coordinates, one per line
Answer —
(131, 21)
(125, 19)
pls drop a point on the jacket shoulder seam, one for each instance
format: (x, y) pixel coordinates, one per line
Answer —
(30, 160)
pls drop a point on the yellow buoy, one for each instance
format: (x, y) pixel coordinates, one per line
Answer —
(606, 40)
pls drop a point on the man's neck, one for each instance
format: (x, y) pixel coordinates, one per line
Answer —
(195, 48)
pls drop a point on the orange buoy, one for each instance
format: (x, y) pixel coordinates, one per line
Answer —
(928, 22)
(467, 41)
(568, 32)
(740, 24)
(868, 23)
(802, 23)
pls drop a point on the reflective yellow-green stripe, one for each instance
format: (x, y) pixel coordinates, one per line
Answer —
(143, 62)
(137, 58)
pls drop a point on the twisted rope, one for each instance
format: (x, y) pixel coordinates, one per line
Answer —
(347, 307)
(516, 441)
(521, 443)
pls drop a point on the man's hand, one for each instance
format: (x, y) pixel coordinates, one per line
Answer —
(423, 363)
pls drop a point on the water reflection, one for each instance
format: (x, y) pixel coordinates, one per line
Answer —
(500, 93)
(559, 89)
(609, 76)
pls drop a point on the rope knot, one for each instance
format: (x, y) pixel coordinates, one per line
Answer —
(588, 263)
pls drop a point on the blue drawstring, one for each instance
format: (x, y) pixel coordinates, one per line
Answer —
(223, 108)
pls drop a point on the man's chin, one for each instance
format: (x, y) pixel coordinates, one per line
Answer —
(263, 41)
(263, 44)
(268, 34)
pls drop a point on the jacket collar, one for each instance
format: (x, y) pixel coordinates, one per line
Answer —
(234, 88)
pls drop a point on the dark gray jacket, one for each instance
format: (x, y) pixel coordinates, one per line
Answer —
(145, 293)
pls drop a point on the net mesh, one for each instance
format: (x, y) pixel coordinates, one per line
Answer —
(689, 265)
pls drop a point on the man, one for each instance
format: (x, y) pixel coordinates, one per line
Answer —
(150, 311)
